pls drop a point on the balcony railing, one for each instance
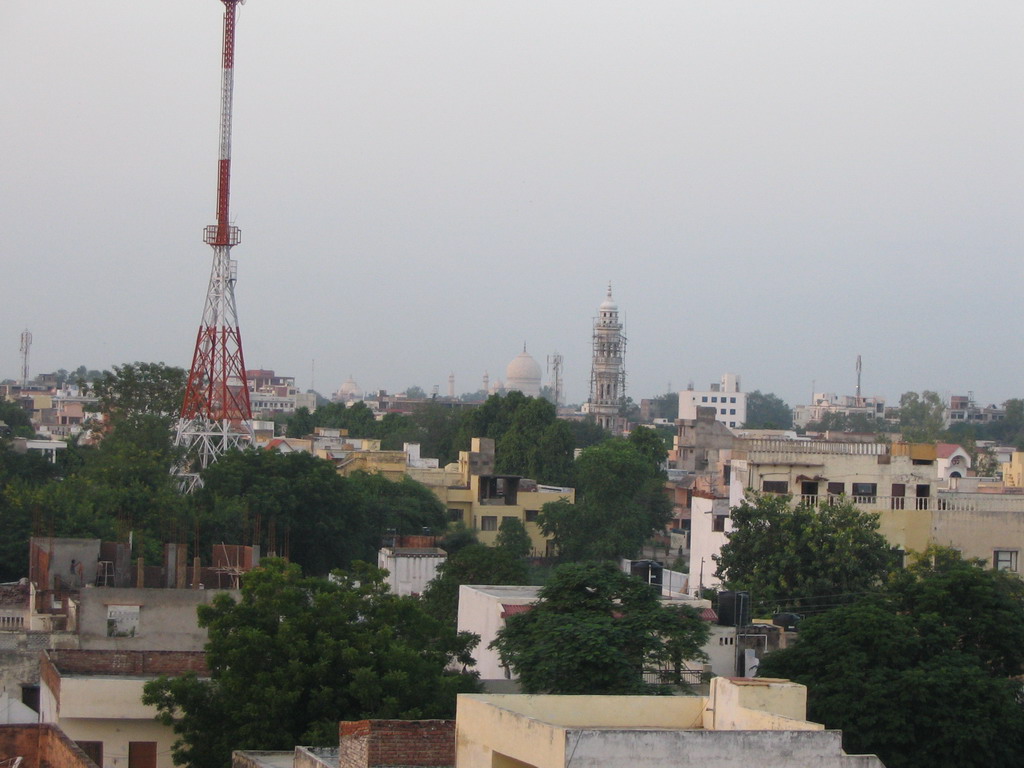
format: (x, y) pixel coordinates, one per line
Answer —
(958, 502)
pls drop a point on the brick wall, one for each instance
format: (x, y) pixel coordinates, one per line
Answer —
(132, 663)
(42, 745)
(396, 743)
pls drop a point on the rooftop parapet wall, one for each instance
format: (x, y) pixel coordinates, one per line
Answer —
(127, 663)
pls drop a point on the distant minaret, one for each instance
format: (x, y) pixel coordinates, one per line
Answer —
(451, 385)
(608, 372)
(487, 384)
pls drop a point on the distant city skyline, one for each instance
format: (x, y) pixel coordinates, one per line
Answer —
(771, 189)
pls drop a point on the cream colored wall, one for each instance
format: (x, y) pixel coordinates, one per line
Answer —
(603, 731)
(116, 733)
(482, 729)
(108, 710)
(681, 712)
(100, 697)
(705, 543)
(979, 533)
(480, 612)
(907, 529)
(757, 705)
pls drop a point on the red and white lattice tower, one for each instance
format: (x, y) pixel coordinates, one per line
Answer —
(215, 414)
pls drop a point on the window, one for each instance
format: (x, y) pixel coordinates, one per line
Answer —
(704, 399)
(489, 523)
(836, 489)
(714, 399)
(1005, 560)
(531, 515)
(732, 411)
(141, 754)
(722, 411)
(455, 515)
(899, 491)
(924, 492)
(732, 400)
(864, 492)
(775, 486)
(718, 523)
(122, 620)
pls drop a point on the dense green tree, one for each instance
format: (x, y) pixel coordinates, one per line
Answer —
(766, 410)
(300, 423)
(595, 630)
(620, 501)
(841, 422)
(322, 520)
(17, 419)
(918, 673)
(805, 556)
(472, 564)
(587, 432)
(296, 654)
(457, 536)
(922, 417)
(512, 536)
(529, 439)
(651, 445)
(21, 476)
(137, 388)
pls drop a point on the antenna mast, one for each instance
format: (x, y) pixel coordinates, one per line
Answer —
(26, 344)
(555, 364)
(216, 415)
(859, 401)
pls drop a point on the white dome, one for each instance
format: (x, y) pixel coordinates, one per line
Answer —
(349, 390)
(523, 374)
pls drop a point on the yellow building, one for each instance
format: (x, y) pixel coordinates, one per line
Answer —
(472, 492)
(1013, 470)
(741, 722)
(481, 499)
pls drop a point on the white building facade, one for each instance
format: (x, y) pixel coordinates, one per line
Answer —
(729, 402)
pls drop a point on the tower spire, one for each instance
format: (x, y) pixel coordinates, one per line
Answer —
(216, 415)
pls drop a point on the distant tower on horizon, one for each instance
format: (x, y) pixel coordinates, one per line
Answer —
(608, 370)
(555, 365)
(26, 345)
(216, 415)
(451, 385)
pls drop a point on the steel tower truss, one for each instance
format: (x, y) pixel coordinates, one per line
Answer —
(215, 414)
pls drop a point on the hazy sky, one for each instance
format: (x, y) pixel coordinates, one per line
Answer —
(424, 185)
